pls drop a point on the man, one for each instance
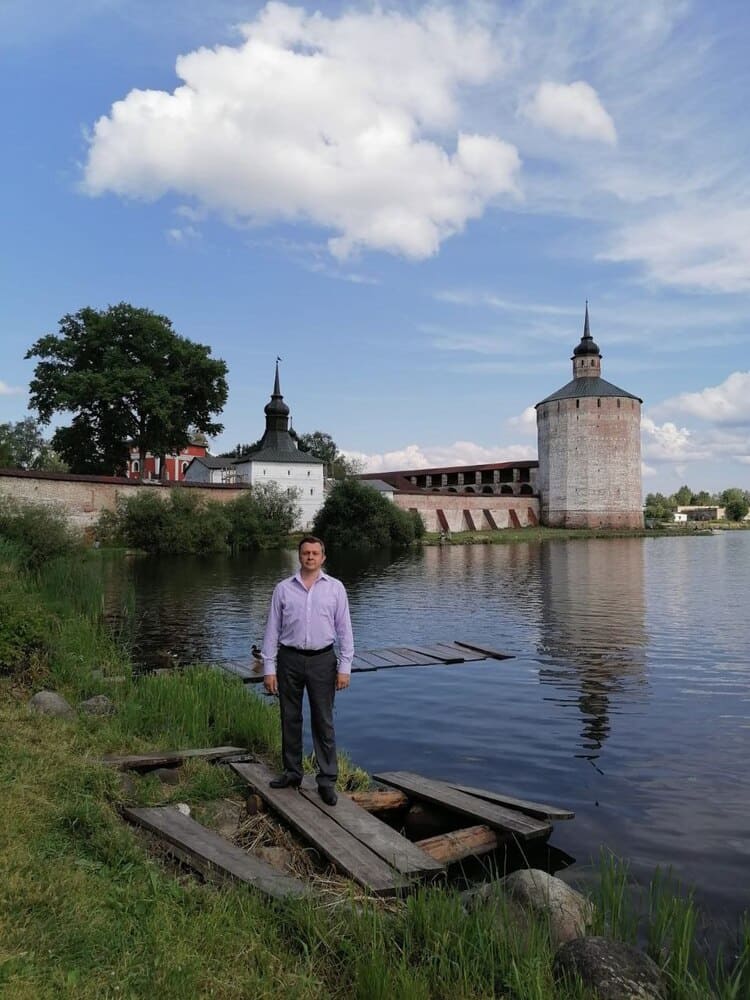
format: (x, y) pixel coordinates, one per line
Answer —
(309, 612)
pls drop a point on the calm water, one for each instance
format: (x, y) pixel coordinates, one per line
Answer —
(628, 699)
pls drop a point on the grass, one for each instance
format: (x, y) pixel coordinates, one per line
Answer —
(88, 909)
(507, 536)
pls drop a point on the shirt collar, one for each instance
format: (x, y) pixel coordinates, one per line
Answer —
(321, 576)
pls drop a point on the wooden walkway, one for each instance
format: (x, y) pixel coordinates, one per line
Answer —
(408, 655)
(210, 854)
(360, 846)
(438, 793)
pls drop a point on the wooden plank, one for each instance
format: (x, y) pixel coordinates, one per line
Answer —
(373, 659)
(490, 519)
(469, 655)
(211, 854)
(380, 799)
(496, 654)
(380, 838)
(360, 667)
(417, 659)
(459, 844)
(396, 659)
(442, 657)
(347, 853)
(537, 809)
(168, 758)
(242, 669)
(441, 794)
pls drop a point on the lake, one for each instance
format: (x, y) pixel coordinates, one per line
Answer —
(627, 699)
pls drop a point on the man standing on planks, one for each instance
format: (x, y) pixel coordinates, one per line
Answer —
(309, 612)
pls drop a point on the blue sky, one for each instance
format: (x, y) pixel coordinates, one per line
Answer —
(410, 204)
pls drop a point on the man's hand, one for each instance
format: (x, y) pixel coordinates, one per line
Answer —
(271, 684)
(342, 681)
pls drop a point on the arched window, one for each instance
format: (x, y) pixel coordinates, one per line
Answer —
(184, 467)
(136, 465)
(505, 490)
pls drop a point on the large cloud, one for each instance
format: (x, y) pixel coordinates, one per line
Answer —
(415, 456)
(10, 390)
(727, 403)
(329, 120)
(572, 110)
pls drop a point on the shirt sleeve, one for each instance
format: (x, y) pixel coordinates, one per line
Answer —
(273, 631)
(343, 625)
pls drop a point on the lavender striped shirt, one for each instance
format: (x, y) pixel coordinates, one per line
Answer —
(309, 619)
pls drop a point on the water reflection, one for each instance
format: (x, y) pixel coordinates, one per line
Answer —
(593, 613)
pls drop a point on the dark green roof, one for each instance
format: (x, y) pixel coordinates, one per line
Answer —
(588, 385)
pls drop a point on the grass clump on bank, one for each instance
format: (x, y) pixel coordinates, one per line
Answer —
(506, 536)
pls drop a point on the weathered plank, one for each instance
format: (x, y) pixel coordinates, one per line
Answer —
(245, 671)
(441, 656)
(347, 853)
(380, 799)
(380, 838)
(372, 658)
(537, 809)
(394, 657)
(441, 794)
(454, 650)
(167, 758)
(459, 844)
(360, 666)
(496, 654)
(417, 659)
(212, 855)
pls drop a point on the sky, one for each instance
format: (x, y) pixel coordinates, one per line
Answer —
(409, 203)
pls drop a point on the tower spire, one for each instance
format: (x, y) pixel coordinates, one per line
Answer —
(587, 358)
(586, 331)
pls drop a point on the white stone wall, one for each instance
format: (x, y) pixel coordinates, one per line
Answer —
(307, 478)
(590, 462)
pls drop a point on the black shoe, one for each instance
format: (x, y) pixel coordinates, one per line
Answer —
(328, 794)
(285, 781)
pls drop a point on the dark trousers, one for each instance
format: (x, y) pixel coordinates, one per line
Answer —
(317, 674)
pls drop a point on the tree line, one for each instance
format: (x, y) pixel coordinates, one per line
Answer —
(736, 501)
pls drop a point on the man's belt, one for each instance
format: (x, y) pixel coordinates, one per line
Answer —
(307, 652)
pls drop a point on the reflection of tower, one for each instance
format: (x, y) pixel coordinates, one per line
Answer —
(593, 628)
(589, 442)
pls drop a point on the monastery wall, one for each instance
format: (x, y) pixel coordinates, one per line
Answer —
(467, 513)
(83, 498)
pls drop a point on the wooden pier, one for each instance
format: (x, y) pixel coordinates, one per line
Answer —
(351, 835)
(439, 653)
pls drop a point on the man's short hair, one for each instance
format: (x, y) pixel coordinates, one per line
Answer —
(311, 540)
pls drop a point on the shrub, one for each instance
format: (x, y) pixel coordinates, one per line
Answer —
(24, 631)
(357, 516)
(40, 533)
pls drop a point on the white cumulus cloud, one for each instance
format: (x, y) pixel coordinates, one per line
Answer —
(573, 110)
(10, 390)
(414, 456)
(332, 121)
(727, 403)
(669, 443)
(525, 422)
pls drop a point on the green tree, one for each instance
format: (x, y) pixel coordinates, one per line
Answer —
(125, 375)
(703, 499)
(737, 503)
(355, 515)
(659, 507)
(22, 446)
(322, 445)
(683, 497)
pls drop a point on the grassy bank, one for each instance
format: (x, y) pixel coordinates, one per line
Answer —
(88, 908)
(508, 536)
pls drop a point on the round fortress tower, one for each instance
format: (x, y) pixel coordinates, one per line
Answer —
(589, 441)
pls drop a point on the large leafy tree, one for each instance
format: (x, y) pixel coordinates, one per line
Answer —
(322, 445)
(124, 375)
(737, 503)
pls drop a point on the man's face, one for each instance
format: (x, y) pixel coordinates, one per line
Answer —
(311, 556)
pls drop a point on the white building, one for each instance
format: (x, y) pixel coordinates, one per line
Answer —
(276, 460)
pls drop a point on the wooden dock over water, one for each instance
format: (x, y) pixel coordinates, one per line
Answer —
(409, 655)
(359, 844)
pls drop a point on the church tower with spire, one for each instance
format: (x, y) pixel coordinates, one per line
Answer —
(278, 460)
(589, 441)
